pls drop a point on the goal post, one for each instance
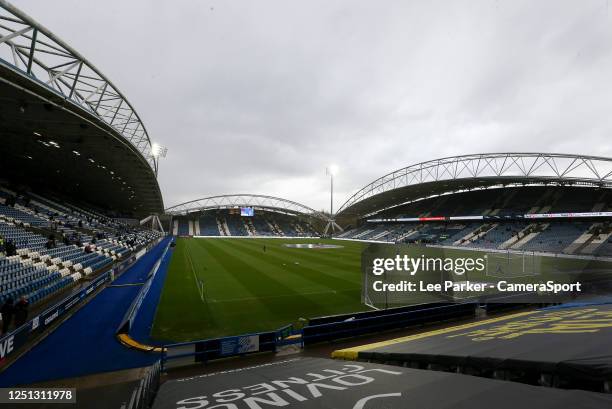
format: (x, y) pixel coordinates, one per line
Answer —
(511, 264)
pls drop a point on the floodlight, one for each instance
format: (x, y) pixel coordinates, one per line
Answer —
(158, 151)
(332, 170)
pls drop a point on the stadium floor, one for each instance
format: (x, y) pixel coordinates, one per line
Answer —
(86, 343)
(247, 289)
(313, 383)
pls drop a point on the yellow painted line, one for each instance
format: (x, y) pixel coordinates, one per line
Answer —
(353, 353)
(129, 342)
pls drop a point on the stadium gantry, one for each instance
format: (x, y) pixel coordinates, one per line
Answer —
(66, 122)
(476, 171)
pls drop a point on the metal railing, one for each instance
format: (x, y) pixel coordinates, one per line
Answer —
(567, 168)
(142, 396)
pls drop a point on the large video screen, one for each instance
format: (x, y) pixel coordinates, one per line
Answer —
(247, 211)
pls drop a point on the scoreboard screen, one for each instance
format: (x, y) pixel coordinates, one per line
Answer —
(247, 211)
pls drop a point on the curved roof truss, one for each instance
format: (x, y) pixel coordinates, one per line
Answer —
(246, 200)
(502, 167)
(29, 48)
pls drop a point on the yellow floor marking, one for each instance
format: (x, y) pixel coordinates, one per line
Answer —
(129, 342)
(352, 353)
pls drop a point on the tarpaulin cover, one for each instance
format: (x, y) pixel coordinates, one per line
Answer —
(574, 342)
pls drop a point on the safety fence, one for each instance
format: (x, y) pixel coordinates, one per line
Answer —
(143, 394)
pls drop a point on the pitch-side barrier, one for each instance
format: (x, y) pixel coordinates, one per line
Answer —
(199, 352)
(323, 329)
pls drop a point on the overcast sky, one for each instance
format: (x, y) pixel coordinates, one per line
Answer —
(259, 96)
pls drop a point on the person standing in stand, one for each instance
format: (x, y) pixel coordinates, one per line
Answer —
(7, 315)
(21, 311)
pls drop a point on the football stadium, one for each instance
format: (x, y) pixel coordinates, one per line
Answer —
(487, 276)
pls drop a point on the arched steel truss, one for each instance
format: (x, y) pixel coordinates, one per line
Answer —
(28, 47)
(246, 200)
(552, 167)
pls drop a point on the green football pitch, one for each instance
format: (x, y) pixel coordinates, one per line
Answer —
(220, 287)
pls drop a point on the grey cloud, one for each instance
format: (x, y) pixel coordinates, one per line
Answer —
(260, 96)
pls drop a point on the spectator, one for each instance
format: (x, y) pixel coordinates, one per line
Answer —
(10, 248)
(1, 245)
(7, 315)
(21, 311)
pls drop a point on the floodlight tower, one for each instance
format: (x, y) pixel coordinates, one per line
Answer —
(331, 170)
(157, 151)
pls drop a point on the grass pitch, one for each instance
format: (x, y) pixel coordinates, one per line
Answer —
(230, 286)
(248, 290)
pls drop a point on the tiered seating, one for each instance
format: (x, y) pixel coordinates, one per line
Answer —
(458, 232)
(378, 229)
(605, 249)
(21, 215)
(24, 277)
(503, 226)
(500, 234)
(556, 237)
(113, 248)
(183, 227)
(262, 227)
(22, 238)
(208, 225)
(43, 266)
(236, 226)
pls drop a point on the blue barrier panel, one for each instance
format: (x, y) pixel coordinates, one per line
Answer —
(373, 313)
(12, 341)
(16, 339)
(391, 320)
(217, 348)
(61, 308)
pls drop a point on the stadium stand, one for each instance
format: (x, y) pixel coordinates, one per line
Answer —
(57, 245)
(183, 227)
(208, 225)
(235, 225)
(225, 223)
(503, 226)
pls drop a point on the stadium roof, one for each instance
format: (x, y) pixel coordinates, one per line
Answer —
(64, 124)
(476, 171)
(263, 202)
